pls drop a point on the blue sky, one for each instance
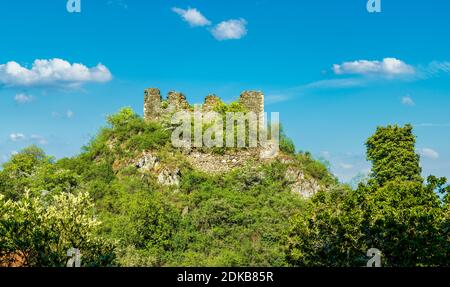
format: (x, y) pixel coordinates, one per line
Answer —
(334, 71)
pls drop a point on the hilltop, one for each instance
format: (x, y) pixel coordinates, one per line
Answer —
(216, 206)
(131, 198)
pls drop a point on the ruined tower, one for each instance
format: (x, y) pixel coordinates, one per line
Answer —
(152, 104)
(253, 101)
(211, 101)
(177, 101)
(155, 107)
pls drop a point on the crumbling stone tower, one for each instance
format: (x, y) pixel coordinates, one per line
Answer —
(152, 104)
(211, 101)
(253, 101)
(177, 102)
(155, 107)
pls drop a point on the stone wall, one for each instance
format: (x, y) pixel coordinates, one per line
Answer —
(177, 101)
(154, 106)
(211, 101)
(253, 101)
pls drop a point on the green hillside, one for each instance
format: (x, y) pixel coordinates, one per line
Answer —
(131, 199)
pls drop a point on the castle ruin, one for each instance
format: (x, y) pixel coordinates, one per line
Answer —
(155, 106)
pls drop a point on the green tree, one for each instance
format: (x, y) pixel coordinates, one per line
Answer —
(328, 233)
(394, 212)
(122, 118)
(19, 173)
(404, 219)
(392, 153)
(39, 232)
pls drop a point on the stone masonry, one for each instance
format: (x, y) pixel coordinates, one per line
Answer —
(253, 101)
(211, 101)
(155, 107)
(152, 104)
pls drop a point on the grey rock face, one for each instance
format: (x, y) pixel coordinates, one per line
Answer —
(147, 162)
(306, 187)
(150, 163)
(169, 178)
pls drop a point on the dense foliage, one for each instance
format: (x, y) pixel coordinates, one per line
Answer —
(394, 212)
(39, 232)
(102, 204)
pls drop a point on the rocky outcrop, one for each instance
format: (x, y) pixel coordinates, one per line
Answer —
(210, 163)
(300, 184)
(151, 163)
(147, 162)
(169, 177)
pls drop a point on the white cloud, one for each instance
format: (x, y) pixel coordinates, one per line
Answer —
(38, 139)
(326, 155)
(22, 98)
(33, 138)
(276, 98)
(52, 72)
(386, 67)
(408, 101)
(345, 166)
(17, 137)
(435, 68)
(70, 114)
(429, 153)
(230, 30)
(192, 16)
(336, 84)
